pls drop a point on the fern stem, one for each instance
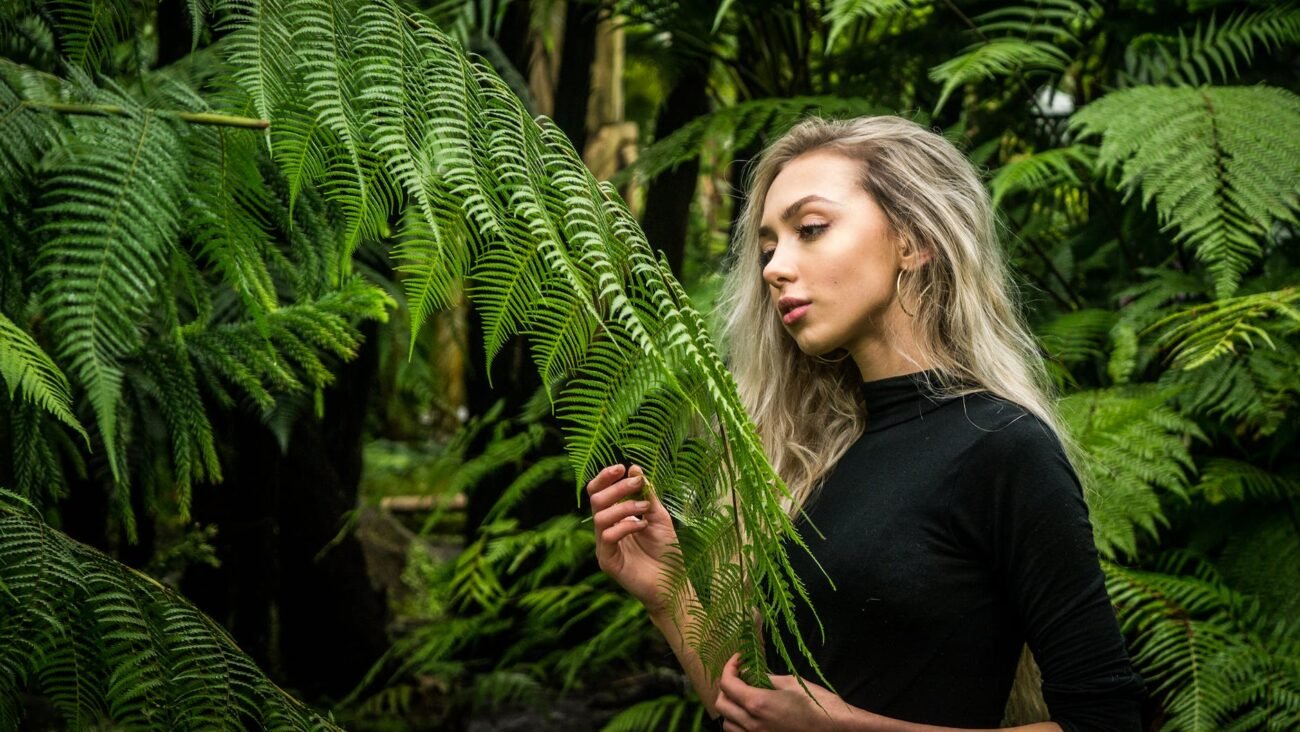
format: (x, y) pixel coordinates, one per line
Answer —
(110, 110)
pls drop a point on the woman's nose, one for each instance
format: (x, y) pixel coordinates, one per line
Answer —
(779, 269)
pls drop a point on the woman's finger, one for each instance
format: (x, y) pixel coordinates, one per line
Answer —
(618, 512)
(616, 492)
(621, 529)
(733, 712)
(604, 478)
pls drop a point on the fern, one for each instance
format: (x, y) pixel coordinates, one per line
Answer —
(1162, 140)
(1223, 479)
(843, 13)
(1074, 338)
(1132, 445)
(666, 714)
(734, 128)
(1212, 49)
(1252, 394)
(1199, 645)
(555, 255)
(1040, 171)
(1016, 40)
(109, 645)
(1200, 334)
(27, 369)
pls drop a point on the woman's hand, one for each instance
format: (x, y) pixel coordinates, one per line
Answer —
(745, 708)
(630, 549)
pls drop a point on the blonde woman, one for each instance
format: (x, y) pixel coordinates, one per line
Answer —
(875, 342)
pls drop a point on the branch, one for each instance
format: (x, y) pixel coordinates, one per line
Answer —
(109, 110)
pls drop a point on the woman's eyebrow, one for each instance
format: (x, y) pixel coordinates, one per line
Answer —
(765, 232)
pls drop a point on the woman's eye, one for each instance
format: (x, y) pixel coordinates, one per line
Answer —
(765, 256)
(810, 231)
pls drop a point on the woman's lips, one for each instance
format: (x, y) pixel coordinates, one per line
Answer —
(790, 317)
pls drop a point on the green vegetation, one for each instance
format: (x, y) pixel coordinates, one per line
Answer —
(213, 208)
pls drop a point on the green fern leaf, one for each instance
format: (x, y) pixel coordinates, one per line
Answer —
(28, 370)
(113, 647)
(734, 127)
(1163, 140)
(112, 220)
(1200, 334)
(1041, 171)
(1132, 444)
(1213, 50)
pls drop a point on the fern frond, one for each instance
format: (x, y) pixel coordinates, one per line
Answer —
(843, 13)
(1074, 338)
(1223, 479)
(1133, 444)
(1041, 171)
(1200, 334)
(259, 47)
(733, 128)
(1249, 394)
(1196, 642)
(1213, 49)
(1163, 140)
(28, 371)
(112, 646)
(667, 713)
(89, 29)
(538, 224)
(28, 132)
(226, 215)
(288, 350)
(112, 222)
(1016, 40)
(994, 58)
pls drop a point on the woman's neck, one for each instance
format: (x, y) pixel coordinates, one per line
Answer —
(888, 351)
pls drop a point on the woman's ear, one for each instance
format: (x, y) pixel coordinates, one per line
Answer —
(912, 257)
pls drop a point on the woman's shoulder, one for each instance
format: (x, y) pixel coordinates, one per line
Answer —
(1001, 430)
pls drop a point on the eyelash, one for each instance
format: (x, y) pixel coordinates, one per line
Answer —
(806, 232)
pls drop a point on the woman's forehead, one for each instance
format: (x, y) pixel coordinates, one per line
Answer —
(823, 174)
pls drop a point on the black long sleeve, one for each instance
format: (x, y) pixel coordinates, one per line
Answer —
(956, 531)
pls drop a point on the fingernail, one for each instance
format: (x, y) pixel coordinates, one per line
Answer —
(642, 505)
(638, 482)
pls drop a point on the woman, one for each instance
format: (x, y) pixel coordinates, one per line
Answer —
(875, 343)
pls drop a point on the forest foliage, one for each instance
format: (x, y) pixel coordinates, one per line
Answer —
(167, 254)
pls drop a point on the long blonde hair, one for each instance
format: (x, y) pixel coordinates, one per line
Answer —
(967, 326)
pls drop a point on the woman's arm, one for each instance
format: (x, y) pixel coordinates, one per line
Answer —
(673, 624)
(789, 708)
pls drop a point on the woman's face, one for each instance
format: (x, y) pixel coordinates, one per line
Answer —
(826, 243)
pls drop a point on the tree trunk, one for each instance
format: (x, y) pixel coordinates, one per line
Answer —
(574, 85)
(668, 200)
(314, 623)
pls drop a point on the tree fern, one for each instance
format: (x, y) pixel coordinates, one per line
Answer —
(1016, 40)
(1200, 334)
(1162, 140)
(1199, 645)
(112, 220)
(735, 127)
(1038, 171)
(1213, 51)
(109, 645)
(555, 255)
(1134, 450)
(29, 371)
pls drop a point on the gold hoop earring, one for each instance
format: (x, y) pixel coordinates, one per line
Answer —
(898, 289)
(819, 359)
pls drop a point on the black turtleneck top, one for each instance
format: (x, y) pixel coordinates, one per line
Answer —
(955, 531)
